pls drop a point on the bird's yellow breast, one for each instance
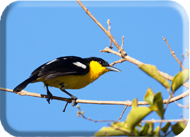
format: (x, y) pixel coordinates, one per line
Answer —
(77, 81)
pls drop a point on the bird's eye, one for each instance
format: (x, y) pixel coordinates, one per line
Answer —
(100, 62)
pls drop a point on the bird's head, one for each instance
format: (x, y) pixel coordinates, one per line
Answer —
(99, 66)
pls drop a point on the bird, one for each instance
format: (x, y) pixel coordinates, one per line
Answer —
(68, 72)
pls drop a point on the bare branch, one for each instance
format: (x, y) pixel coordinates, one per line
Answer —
(119, 61)
(69, 100)
(122, 113)
(181, 61)
(171, 95)
(180, 105)
(81, 114)
(173, 54)
(122, 42)
(123, 53)
(170, 120)
(109, 29)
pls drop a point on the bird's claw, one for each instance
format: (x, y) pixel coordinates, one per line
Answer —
(49, 95)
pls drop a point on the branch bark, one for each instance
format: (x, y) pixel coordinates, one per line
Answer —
(69, 100)
(170, 120)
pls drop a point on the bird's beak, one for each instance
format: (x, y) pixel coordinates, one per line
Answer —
(112, 69)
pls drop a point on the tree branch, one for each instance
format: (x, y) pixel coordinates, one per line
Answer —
(180, 105)
(69, 100)
(81, 114)
(170, 120)
(122, 113)
(119, 61)
(123, 53)
(136, 62)
(109, 30)
(173, 53)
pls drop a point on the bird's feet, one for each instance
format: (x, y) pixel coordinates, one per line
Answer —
(49, 95)
(74, 100)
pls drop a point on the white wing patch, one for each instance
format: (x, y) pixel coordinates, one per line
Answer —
(79, 64)
(51, 61)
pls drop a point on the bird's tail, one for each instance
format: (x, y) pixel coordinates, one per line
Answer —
(22, 85)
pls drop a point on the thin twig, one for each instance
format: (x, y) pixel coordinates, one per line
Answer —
(173, 53)
(171, 95)
(81, 114)
(169, 120)
(159, 129)
(109, 29)
(168, 101)
(123, 53)
(167, 133)
(122, 113)
(181, 61)
(180, 105)
(69, 100)
(184, 57)
(122, 42)
(119, 61)
(121, 49)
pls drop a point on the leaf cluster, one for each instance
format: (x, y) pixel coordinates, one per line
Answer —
(132, 124)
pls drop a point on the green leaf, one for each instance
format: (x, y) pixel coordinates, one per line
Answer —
(136, 132)
(178, 127)
(150, 129)
(134, 103)
(153, 72)
(116, 129)
(109, 131)
(179, 79)
(144, 130)
(119, 124)
(149, 96)
(156, 131)
(136, 114)
(165, 128)
(158, 103)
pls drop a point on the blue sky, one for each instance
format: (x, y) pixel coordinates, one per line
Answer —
(37, 32)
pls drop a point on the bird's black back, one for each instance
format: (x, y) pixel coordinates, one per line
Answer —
(62, 66)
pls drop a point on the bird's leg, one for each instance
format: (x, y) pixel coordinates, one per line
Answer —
(62, 88)
(49, 95)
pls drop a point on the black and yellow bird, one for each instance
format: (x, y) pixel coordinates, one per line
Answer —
(69, 72)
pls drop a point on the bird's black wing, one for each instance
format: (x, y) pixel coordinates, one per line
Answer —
(69, 65)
